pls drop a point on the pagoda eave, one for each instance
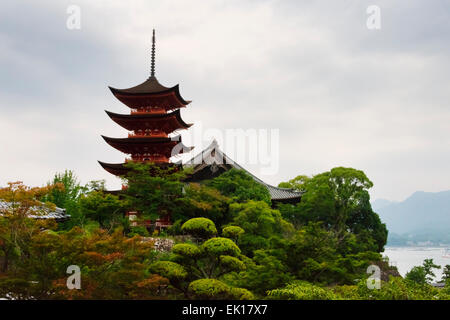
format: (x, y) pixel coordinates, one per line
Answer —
(167, 122)
(120, 169)
(139, 99)
(117, 169)
(157, 145)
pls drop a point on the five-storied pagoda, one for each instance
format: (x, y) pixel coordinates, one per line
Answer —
(155, 113)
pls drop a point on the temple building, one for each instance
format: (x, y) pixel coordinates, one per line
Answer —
(154, 115)
(153, 119)
(212, 162)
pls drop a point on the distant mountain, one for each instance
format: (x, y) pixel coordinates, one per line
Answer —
(423, 218)
(381, 203)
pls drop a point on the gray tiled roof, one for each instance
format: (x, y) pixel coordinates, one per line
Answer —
(213, 155)
(39, 212)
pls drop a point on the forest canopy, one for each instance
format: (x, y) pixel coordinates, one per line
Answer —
(227, 240)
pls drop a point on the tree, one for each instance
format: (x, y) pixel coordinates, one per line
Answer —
(202, 228)
(397, 288)
(314, 254)
(211, 259)
(340, 199)
(428, 266)
(213, 289)
(68, 192)
(240, 186)
(417, 274)
(294, 214)
(446, 274)
(261, 223)
(233, 232)
(301, 290)
(297, 183)
(113, 266)
(265, 271)
(65, 193)
(16, 228)
(202, 201)
(107, 209)
(423, 274)
(152, 190)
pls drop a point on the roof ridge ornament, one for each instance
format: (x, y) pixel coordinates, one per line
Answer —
(152, 70)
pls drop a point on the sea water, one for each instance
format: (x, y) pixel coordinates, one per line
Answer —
(405, 258)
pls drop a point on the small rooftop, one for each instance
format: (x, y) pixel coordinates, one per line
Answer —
(40, 212)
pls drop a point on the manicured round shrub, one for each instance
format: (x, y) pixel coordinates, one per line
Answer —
(200, 227)
(301, 290)
(241, 294)
(232, 232)
(232, 263)
(187, 250)
(169, 270)
(205, 289)
(221, 246)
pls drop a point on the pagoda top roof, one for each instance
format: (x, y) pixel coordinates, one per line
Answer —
(151, 85)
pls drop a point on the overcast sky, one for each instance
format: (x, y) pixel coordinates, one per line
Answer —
(339, 93)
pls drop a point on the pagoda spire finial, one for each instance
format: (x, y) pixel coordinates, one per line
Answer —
(152, 70)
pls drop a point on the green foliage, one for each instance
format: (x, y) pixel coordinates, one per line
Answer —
(152, 190)
(220, 246)
(316, 254)
(240, 186)
(241, 294)
(398, 289)
(394, 289)
(68, 192)
(138, 231)
(112, 267)
(417, 274)
(428, 266)
(301, 290)
(294, 214)
(169, 269)
(187, 250)
(423, 274)
(107, 209)
(208, 289)
(232, 232)
(16, 228)
(261, 224)
(262, 273)
(175, 228)
(65, 193)
(446, 273)
(319, 249)
(232, 263)
(202, 201)
(340, 199)
(297, 183)
(199, 227)
(212, 259)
